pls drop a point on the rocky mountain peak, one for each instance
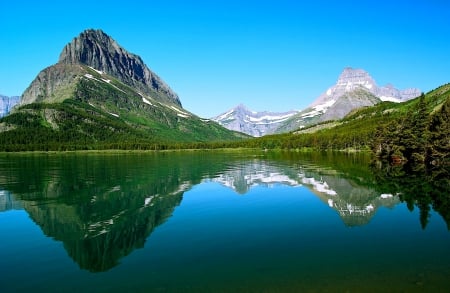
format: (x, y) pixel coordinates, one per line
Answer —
(99, 51)
(351, 79)
(355, 76)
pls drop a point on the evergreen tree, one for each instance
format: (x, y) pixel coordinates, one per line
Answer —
(439, 136)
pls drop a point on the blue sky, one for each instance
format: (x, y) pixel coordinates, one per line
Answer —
(270, 55)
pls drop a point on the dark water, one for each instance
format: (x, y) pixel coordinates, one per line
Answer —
(220, 222)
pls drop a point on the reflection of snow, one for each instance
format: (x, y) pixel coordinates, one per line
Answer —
(183, 187)
(319, 186)
(350, 209)
(268, 179)
(148, 200)
(101, 227)
(330, 202)
(268, 176)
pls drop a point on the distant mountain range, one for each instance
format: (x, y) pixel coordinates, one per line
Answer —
(99, 93)
(7, 103)
(252, 123)
(354, 89)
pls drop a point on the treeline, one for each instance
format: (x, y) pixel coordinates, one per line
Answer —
(418, 137)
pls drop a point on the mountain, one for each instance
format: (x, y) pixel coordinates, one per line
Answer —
(252, 123)
(100, 95)
(104, 55)
(98, 50)
(354, 89)
(7, 103)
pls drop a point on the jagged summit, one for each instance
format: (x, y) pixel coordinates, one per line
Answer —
(351, 76)
(99, 51)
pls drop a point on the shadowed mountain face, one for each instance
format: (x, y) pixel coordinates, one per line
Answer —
(104, 206)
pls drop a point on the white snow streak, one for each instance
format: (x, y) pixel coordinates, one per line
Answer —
(146, 101)
(389, 99)
(179, 111)
(98, 71)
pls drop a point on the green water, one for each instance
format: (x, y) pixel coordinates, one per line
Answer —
(220, 222)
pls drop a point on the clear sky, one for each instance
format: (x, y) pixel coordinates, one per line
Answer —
(269, 55)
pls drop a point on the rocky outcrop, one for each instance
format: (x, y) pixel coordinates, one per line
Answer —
(252, 123)
(53, 84)
(96, 49)
(7, 103)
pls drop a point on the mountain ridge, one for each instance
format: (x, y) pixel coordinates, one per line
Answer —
(96, 49)
(256, 124)
(354, 89)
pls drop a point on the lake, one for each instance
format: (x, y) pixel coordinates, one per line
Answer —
(220, 221)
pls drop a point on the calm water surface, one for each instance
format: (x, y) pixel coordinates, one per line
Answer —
(220, 222)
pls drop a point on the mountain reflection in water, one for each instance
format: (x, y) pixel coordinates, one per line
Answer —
(104, 206)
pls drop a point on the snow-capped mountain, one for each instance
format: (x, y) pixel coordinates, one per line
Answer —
(250, 122)
(352, 79)
(355, 88)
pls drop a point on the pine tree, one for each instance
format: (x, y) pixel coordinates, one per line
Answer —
(439, 136)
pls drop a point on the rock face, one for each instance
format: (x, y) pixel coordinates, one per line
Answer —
(354, 89)
(97, 50)
(53, 84)
(252, 123)
(7, 103)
